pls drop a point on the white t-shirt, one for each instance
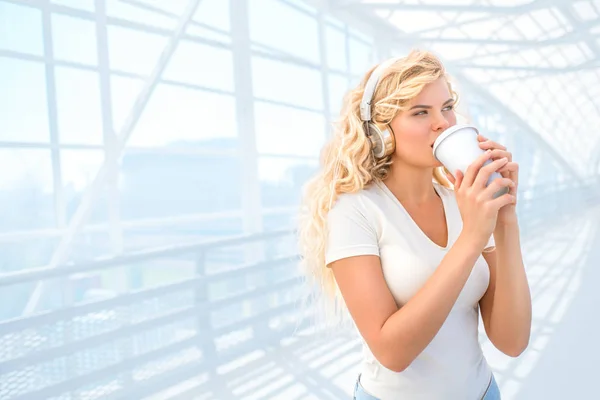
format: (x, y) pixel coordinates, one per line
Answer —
(452, 366)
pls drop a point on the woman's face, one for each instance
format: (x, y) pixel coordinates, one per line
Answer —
(427, 116)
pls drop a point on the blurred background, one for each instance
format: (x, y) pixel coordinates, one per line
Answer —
(152, 155)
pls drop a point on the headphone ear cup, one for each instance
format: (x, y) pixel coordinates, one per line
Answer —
(382, 142)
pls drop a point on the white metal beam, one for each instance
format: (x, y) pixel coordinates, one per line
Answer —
(445, 7)
(246, 129)
(51, 101)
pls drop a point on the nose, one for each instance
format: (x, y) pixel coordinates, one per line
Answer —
(440, 124)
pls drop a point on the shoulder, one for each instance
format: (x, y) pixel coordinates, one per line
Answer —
(359, 203)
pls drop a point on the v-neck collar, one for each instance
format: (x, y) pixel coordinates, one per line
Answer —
(389, 193)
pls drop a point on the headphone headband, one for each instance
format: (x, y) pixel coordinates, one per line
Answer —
(365, 104)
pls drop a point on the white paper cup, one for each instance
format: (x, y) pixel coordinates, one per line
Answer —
(457, 147)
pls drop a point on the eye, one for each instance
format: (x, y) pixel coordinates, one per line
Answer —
(449, 108)
(420, 113)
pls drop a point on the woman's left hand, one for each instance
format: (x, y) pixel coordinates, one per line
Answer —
(510, 170)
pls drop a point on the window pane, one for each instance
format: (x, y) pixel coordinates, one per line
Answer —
(202, 65)
(123, 43)
(87, 5)
(26, 199)
(21, 29)
(176, 116)
(23, 114)
(79, 169)
(120, 9)
(336, 49)
(282, 179)
(292, 84)
(164, 185)
(208, 34)
(284, 130)
(214, 13)
(172, 6)
(78, 103)
(124, 92)
(17, 255)
(277, 25)
(338, 87)
(361, 57)
(74, 39)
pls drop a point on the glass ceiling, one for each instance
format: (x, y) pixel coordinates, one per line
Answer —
(541, 59)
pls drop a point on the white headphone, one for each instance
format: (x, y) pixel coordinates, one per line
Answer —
(382, 141)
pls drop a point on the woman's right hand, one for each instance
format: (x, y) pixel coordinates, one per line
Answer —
(478, 208)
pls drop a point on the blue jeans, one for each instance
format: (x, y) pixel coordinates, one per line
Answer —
(492, 393)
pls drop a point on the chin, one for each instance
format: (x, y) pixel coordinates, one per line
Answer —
(436, 162)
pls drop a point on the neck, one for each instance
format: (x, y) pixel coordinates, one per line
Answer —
(410, 184)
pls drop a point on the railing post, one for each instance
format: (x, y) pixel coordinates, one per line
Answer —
(68, 300)
(204, 331)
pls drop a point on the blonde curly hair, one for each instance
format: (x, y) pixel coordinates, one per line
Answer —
(348, 166)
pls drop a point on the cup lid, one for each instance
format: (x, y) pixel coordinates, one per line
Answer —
(450, 131)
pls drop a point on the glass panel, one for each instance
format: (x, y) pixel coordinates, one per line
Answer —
(282, 179)
(120, 9)
(414, 21)
(23, 114)
(272, 80)
(167, 185)
(74, 39)
(208, 34)
(123, 42)
(285, 130)
(181, 117)
(334, 21)
(277, 25)
(173, 6)
(202, 65)
(124, 92)
(527, 26)
(336, 49)
(26, 189)
(214, 13)
(87, 5)
(21, 29)
(18, 254)
(585, 11)
(361, 57)
(302, 5)
(79, 169)
(338, 87)
(78, 103)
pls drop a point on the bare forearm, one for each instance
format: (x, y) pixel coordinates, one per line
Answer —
(409, 330)
(511, 311)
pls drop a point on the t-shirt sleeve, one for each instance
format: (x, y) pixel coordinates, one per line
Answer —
(350, 232)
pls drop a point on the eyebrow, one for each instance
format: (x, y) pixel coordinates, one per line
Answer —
(423, 106)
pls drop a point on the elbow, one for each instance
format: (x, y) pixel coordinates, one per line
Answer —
(516, 349)
(392, 362)
(393, 365)
(514, 353)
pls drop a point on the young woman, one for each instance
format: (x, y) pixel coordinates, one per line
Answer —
(412, 253)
